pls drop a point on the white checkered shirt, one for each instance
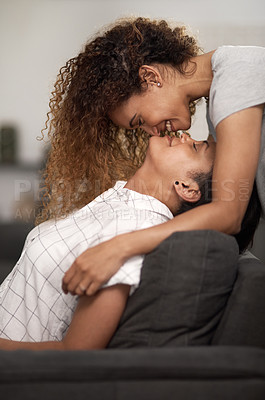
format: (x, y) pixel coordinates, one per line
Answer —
(32, 304)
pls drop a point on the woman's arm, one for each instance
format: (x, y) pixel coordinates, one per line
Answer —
(235, 166)
(94, 323)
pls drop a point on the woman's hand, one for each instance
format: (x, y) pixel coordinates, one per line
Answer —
(95, 267)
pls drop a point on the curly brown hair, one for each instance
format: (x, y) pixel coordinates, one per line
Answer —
(88, 152)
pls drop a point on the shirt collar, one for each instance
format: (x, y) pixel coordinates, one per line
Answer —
(140, 201)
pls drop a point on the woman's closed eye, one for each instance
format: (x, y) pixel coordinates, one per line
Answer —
(194, 146)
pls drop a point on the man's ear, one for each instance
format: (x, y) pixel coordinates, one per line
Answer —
(188, 190)
(150, 75)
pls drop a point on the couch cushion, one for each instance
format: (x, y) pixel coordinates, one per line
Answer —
(6, 267)
(12, 238)
(243, 322)
(185, 284)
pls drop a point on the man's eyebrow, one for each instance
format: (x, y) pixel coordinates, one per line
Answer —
(131, 121)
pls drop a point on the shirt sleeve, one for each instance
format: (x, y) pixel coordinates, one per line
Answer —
(130, 271)
(128, 274)
(238, 82)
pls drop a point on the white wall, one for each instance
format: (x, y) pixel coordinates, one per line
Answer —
(38, 36)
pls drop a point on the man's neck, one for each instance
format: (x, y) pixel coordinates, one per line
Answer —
(146, 181)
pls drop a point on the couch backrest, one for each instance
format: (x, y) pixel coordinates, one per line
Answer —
(185, 285)
(243, 322)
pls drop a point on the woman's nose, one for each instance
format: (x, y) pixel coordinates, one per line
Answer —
(153, 131)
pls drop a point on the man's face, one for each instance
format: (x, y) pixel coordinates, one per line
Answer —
(174, 158)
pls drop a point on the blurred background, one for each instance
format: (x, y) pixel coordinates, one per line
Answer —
(37, 37)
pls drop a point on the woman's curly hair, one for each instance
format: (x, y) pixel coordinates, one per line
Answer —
(88, 152)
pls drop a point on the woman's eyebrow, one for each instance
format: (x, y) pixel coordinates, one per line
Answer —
(131, 121)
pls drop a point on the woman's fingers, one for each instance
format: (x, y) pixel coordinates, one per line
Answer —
(74, 275)
(72, 279)
(93, 268)
(93, 288)
(74, 283)
(80, 283)
(80, 290)
(77, 279)
(83, 286)
(68, 276)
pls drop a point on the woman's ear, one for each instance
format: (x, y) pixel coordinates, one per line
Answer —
(188, 190)
(150, 75)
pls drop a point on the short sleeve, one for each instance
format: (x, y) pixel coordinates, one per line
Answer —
(128, 274)
(130, 271)
(238, 80)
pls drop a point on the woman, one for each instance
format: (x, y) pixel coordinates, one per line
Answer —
(141, 75)
(35, 314)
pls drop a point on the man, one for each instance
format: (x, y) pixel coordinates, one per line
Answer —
(34, 311)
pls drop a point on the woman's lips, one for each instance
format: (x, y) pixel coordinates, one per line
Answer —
(168, 126)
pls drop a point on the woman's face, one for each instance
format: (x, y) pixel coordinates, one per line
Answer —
(153, 109)
(175, 158)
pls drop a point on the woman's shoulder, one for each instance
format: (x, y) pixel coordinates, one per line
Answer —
(228, 55)
(238, 80)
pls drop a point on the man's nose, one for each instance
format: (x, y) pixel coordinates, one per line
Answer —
(185, 137)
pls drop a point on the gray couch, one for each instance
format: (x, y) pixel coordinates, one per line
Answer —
(194, 329)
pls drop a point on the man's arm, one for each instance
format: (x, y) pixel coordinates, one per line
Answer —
(94, 323)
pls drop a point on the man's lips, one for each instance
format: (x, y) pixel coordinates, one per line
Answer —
(169, 138)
